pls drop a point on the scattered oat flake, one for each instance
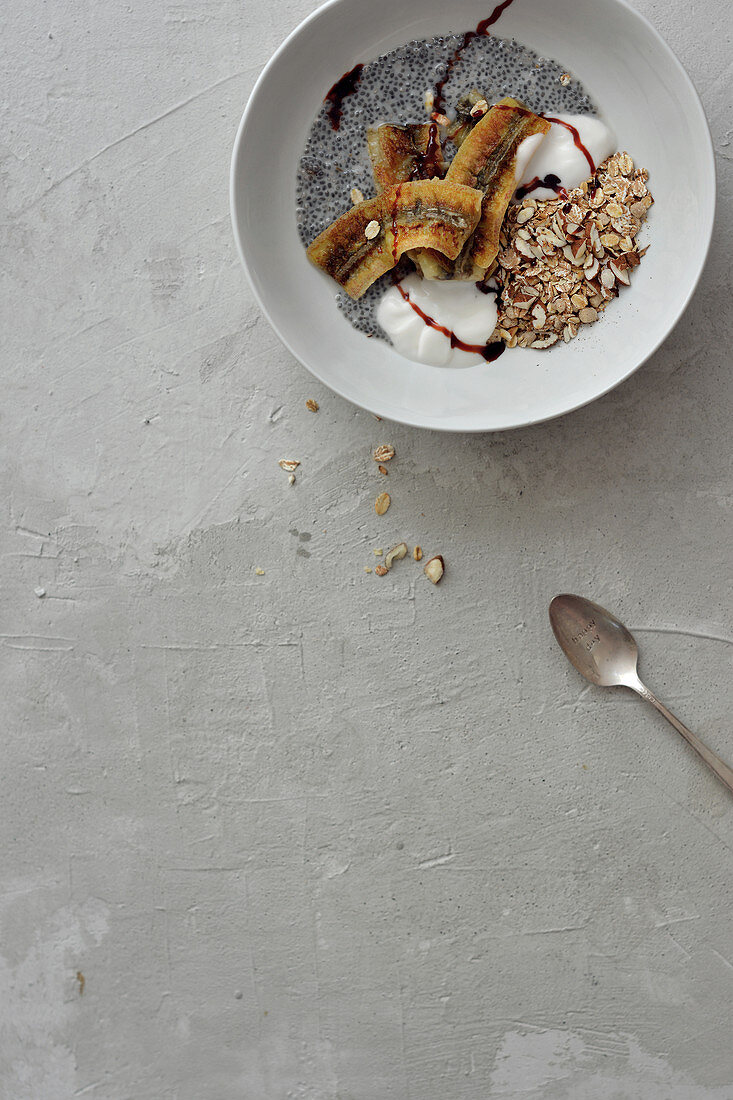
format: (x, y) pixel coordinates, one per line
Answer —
(356, 196)
(372, 230)
(312, 405)
(397, 553)
(378, 552)
(291, 479)
(384, 453)
(260, 572)
(382, 503)
(289, 464)
(367, 569)
(565, 79)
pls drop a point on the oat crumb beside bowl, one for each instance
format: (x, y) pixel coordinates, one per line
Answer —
(487, 191)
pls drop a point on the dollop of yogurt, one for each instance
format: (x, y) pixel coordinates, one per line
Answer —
(557, 154)
(458, 307)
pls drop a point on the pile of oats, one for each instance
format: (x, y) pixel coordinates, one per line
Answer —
(562, 261)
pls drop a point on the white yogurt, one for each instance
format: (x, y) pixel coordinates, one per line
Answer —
(458, 306)
(558, 155)
(525, 152)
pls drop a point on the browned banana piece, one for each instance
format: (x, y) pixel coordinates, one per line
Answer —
(368, 240)
(486, 160)
(402, 153)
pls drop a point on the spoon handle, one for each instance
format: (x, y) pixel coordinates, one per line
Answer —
(721, 769)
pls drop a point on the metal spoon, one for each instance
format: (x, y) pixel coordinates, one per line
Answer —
(603, 650)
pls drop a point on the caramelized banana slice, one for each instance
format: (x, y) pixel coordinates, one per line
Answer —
(402, 153)
(486, 160)
(369, 239)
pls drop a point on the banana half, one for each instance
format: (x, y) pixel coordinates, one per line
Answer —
(486, 161)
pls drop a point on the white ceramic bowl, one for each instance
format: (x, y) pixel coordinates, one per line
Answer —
(653, 108)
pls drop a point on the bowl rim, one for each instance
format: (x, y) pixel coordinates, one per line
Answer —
(251, 107)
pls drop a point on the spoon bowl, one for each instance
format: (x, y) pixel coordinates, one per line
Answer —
(594, 641)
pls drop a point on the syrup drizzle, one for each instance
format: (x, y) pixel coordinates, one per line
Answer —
(481, 30)
(551, 182)
(576, 140)
(483, 286)
(344, 87)
(426, 164)
(489, 352)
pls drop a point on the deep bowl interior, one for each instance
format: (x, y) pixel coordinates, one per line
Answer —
(656, 115)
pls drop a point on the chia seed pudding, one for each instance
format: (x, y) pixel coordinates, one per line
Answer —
(392, 89)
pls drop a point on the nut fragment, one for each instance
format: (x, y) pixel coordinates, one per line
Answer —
(592, 269)
(620, 274)
(383, 470)
(565, 79)
(384, 453)
(479, 109)
(312, 405)
(260, 572)
(381, 571)
(289, 464)
(382, 503)
(434, 569)
(417, 553)
(291, 479)
(524, 247)
(356, 196)
(397, 553)
(372, 230)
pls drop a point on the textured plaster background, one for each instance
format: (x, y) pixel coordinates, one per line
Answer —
(311, 834)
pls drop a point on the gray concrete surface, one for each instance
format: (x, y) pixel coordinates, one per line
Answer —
(309, 834)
